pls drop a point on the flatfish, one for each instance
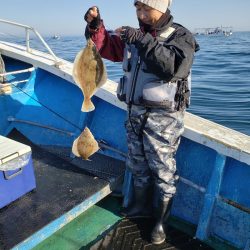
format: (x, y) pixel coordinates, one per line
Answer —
(85, 145)
(89, 72)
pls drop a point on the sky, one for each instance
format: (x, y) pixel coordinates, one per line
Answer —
(65, 17)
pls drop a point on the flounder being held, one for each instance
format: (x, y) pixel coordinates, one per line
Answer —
(89, 72)
(85, 145)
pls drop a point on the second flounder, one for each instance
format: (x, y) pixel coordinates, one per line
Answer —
(85, 145)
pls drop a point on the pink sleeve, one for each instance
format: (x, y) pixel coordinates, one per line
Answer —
(110, 46)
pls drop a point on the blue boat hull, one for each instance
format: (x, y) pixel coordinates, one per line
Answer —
(213, 194)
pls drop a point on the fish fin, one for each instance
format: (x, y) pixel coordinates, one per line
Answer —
(87, 105)
(75, 67)
(74, 147)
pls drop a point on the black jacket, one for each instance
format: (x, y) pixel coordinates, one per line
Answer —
(173, 59)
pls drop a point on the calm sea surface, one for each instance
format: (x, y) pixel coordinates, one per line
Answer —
(220, 76)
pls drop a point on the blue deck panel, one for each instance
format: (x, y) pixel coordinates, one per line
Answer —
(60, 110)
(230, 224)
(236, 182)
(210, 198)
(127, 188)
(188, 203)
(195, 162)
(108, 125)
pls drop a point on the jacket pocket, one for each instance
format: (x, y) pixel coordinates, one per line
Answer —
(159, 94)
(121, 89)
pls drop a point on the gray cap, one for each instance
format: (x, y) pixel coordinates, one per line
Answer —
(160, 5)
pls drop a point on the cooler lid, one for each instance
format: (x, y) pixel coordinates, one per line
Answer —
(10, 149)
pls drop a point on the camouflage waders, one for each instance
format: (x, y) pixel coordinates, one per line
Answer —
(151, 153)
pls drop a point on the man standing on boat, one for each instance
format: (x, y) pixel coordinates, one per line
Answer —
(157, 60)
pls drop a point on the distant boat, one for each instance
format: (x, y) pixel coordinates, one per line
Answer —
(226, 31)
(56, 37)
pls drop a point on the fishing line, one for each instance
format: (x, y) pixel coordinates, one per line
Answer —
(43, 105)
(101, 143)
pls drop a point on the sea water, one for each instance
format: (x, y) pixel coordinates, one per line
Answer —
(220, 76)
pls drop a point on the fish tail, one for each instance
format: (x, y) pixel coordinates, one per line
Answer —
(87, 105)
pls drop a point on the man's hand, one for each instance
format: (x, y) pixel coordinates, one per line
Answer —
(93, 18)
(129, 35)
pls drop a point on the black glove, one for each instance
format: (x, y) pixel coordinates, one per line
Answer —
(96, 22)
(131, 35)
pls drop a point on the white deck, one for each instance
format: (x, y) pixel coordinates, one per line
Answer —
(222, 139)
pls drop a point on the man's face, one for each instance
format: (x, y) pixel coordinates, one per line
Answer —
(147, 14)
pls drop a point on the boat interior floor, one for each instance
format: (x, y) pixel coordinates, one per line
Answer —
(102, 228)
(135, 234)
(60, 186)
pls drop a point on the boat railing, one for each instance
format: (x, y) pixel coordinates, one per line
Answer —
(29, 29)
(2, 85)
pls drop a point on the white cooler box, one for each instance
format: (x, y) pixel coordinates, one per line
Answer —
(16, 170)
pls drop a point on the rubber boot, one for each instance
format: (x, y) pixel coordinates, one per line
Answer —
(141, 205)
(161, 214)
